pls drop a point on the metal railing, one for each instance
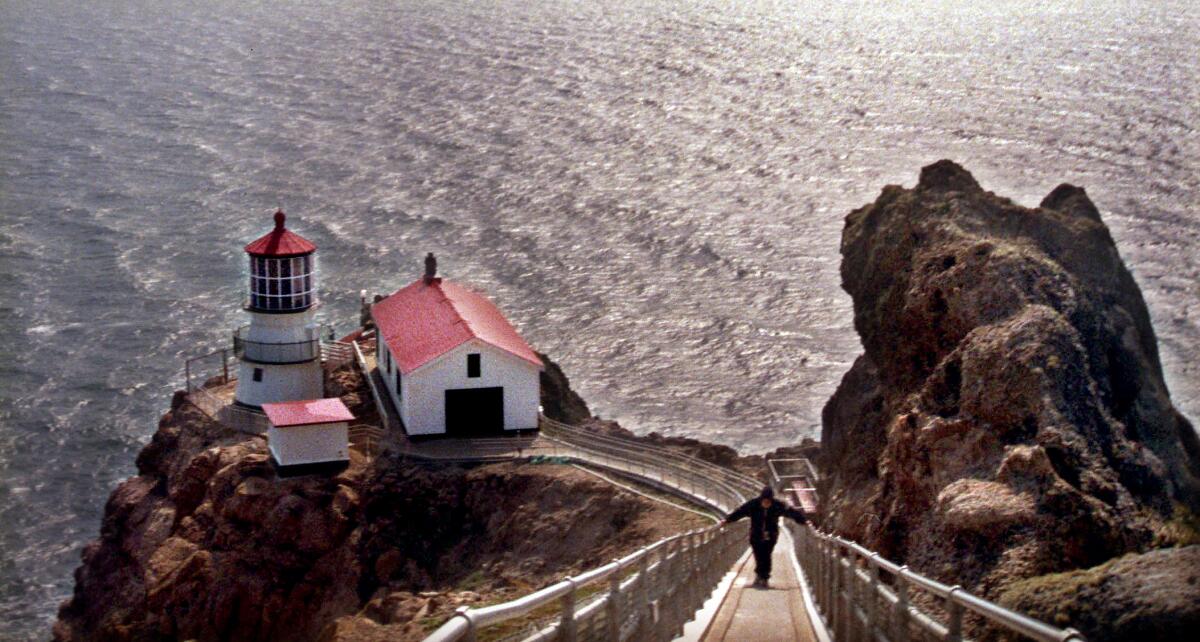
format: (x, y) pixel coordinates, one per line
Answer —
(214, 369)
(797, 478)
(199, 370)
(233, 416)
(650, 593)
(646, 595)
(366, 439)
(275, 352)
(385, 417)
(335, 354)
(703, 481)
(862, 596)
(858, 594)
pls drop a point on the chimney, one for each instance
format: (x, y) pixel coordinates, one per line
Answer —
(430, 269)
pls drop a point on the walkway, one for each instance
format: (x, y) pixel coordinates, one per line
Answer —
(776, 614)
(743, 614)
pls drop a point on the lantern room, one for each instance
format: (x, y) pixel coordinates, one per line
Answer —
(282, 271)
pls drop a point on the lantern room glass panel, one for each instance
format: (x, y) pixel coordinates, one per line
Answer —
(281, 284)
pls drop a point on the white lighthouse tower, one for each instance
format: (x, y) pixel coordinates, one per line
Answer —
(280, 350)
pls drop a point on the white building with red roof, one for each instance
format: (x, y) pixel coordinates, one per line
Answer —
(280, 349)
(452, 363)
(308, 435)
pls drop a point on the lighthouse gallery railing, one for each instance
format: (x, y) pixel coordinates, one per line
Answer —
(651, 593)
(206, 372)
(275, 352)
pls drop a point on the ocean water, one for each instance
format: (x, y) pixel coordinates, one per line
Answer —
(652, 189)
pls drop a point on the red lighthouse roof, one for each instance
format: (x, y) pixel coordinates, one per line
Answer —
(431, 316)
(280, 241)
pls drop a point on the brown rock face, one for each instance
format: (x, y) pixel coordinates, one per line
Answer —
(559, 401)
(207, 543)
(1008, 417)
(1150, 597)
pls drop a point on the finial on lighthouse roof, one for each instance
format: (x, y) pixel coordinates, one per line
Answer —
(280, 242)
(430, 268)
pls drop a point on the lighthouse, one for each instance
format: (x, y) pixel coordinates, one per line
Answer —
(280, 349)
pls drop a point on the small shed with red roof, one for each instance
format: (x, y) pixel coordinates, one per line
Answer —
(452, 363)
(308, 435)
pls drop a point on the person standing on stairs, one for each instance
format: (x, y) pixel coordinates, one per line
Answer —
(764, 512)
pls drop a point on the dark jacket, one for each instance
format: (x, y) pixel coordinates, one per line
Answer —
(764, 522)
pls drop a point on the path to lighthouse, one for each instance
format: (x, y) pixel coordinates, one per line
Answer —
(776, 614)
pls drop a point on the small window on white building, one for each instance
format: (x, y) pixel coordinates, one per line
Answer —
(258, 374)
(473, 365)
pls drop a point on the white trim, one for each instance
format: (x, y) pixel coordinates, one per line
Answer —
(810, 605)
(275, 456)
(697, 627)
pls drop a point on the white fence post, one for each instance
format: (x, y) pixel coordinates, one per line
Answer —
(567, 627)
(901, 615)
(614, 604)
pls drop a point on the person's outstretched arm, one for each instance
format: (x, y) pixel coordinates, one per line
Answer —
(795, 515)
(741, 512)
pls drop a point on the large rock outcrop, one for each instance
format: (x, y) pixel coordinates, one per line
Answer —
(1008, 417)
(207, 543)
(559, 401)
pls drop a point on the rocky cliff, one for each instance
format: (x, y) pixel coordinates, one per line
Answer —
(1008, 418)
(207, 543)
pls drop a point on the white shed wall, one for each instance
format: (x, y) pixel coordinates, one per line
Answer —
(422, 401)
(383, 359)
(313, 444)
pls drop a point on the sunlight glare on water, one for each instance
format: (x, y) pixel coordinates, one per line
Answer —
(652, 190)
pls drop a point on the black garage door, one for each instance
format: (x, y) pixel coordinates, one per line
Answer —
(474, 412)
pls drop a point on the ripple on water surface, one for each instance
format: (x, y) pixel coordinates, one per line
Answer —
(653, 191)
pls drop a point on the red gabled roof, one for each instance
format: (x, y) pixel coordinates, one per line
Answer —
(280, 241)
(307, 412)
(421, 322)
